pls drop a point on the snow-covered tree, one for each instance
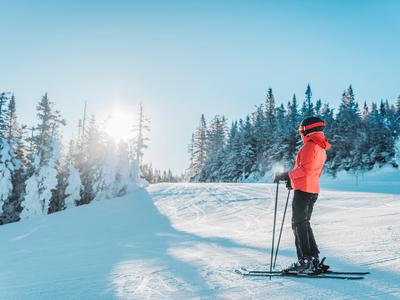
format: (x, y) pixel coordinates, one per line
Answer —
(45, 167)
(4, 98)
(282, 132)
(199, 148)
(292, 139)
(191, 157)
(397, 151)
(259, 124)
(233, 164)
(89, 157)
(40, 186)
(270, 134)
(108, 172)
(73, 188)
(247, 153)
(12, 160)
(216, 135)
(346, 134)
(7, 169)
(49, 122)
(270, 128)
(139, 142)
(122, 176)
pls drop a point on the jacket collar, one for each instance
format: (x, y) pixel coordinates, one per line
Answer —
(318, 138)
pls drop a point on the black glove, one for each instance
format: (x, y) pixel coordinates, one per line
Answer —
(281, 176)
(289, 184)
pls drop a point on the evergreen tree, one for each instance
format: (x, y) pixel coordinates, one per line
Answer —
(372, 121)
(199, 148)
(216, 135)
(147, 172)
(7, 169)
(270, 129)
(360, 140)
(259, 124)
(15, 134)
(122, 177)
(40, 186)
(90, 160)
(140, 140)
(248, 150)
(398, 106)
(15, 162)
(232, 163)
(318, 106)
(4, 98)
(215, 143)
(191, 157)
(57, 202)
(307, 109)
(73, 188)
(327, 114)
(105, 183)
(49, 122)
(346, 134)
(45, 166)
(292, 138)
(281, 135)
(365, 111)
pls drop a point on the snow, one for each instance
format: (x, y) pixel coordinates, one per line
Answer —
(382, 180)
(183, 241)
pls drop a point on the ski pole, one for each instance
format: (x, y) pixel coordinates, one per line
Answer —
(273, 229)
(280, 233)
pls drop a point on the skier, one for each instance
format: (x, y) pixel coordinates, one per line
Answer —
(304, 179)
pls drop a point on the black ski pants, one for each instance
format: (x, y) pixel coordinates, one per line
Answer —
(302, 208)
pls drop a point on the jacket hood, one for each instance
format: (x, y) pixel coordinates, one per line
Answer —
(318, 138)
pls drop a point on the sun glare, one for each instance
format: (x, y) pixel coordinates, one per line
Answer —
(119, 126)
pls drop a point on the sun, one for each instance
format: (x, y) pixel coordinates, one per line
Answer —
(119, 126)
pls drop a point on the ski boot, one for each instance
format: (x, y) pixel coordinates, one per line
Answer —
(305, 265)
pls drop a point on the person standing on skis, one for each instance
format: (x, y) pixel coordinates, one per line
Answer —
(304, 179)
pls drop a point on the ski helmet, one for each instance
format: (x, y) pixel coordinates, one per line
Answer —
(311, 124)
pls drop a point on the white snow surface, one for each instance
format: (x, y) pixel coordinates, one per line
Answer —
(183, 241)
(383, 180)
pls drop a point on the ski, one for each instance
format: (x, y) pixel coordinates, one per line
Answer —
(326, 272)
(298, 275)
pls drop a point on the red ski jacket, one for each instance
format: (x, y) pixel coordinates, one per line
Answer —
(309, 163)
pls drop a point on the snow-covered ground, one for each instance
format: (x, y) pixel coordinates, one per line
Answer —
(183, 241)
(382, 180)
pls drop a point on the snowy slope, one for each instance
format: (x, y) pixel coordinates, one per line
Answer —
(180, 241)
(381, 180)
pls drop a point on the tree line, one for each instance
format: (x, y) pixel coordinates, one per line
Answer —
(249, 149)
(153, 175)
(39, 174)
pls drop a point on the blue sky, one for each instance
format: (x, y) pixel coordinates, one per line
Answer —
(184, 58)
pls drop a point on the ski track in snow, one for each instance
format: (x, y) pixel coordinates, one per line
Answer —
(356, 231)
(183, 241)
